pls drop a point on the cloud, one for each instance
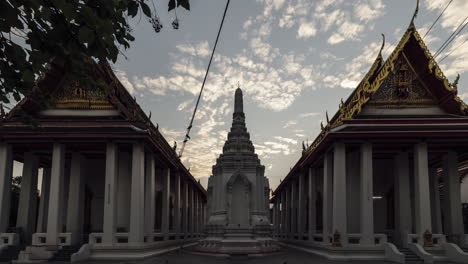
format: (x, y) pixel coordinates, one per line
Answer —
(369, 11)
(306, 30)
(290, 123)
(201, 49)
(303, 115)
(286, 140)
(122, 76)
(453, 16)
(346, 31)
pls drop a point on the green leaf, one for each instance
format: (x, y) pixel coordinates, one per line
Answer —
(28, 76)
(171, 5)
(86, 35)
(132, 8)
(146, 9)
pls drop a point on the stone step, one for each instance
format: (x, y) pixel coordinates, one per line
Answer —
(65, 253)
(10, 253)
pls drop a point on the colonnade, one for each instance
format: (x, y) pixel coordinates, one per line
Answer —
(136, 202)
(333, 201)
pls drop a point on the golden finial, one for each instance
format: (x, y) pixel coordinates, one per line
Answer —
(383, 44)
(321, 125)
(415, 13)
(455, 83)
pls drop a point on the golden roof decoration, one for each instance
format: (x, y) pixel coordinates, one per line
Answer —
(73, 96)
(379, 72)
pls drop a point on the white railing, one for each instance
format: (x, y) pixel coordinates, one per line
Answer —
(437, 239)
(356, 239)
(40, 239)
(9, 239)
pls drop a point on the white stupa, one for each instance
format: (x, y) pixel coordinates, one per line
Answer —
(238, 196)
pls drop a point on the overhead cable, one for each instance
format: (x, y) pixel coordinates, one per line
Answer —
(451, 37)
(443, 11)
(187, 137)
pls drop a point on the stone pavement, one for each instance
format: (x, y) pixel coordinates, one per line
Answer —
(286, 256)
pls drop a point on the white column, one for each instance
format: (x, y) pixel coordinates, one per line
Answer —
(166, 195)
(327, 211)
(287, 189)
(339, 191)
(301, 211)
(110, 195)
(6, 170)
(177, 208)
(54, 221)
(277, 217)
(192, 211)
(43, 201)
(403, 223)
(367, 203)
(312, 210)
(185, 208)
(150, 194)
(435, 201)
(453, 209)
(283, 212)
(293, 202)
(421, 196)
(137, 196)
(195, 212)
(27, 206)
(76, 197)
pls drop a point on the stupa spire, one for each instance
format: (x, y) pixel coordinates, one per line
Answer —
(238, 101)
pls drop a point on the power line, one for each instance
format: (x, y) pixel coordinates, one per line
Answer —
(453, 50)
(437, 18)
(187, 137)
(451, 37)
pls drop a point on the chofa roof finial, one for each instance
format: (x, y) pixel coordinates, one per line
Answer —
(383, 44)
(415, 13)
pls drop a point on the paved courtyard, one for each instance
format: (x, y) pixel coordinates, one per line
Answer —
(286, 256)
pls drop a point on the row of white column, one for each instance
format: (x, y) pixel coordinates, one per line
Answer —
(335, 214)
(188, 206)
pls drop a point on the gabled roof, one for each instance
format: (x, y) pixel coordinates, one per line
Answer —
(418, 55)
(413, 47)
(65, 94)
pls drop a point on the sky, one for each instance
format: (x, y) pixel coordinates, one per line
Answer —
(294, 61)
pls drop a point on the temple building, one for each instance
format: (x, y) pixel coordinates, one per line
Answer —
(381, 181)
(238, 196)
(111, 187)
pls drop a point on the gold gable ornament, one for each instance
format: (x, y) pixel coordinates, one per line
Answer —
(73, 96)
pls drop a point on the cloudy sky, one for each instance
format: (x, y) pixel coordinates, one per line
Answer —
(293, 59)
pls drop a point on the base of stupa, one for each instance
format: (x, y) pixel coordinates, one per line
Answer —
(237, 242)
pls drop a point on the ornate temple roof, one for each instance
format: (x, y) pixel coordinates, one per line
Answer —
(417, 82)
(238, 147)
(65, 94)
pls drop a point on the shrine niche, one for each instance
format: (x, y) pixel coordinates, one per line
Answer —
(402, 89)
